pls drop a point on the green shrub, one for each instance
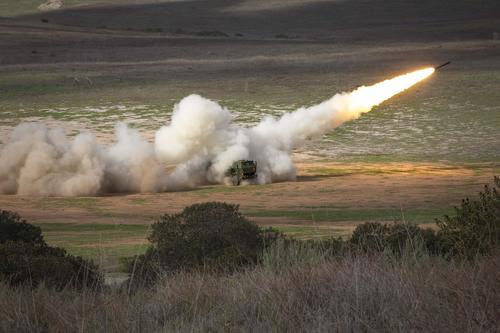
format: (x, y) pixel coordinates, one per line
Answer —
(14, 228)
(27, 263)
(409, 238)
(213, 235)
(398, 238)
(475, 230)
(25, 258)
(369, 237)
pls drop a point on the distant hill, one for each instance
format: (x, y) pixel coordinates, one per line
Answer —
(341, 20)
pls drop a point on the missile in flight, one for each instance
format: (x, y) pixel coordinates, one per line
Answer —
(442, 65)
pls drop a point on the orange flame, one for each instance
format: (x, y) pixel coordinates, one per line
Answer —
(364, 98)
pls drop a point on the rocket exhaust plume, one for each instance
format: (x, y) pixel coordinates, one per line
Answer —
(200, 140)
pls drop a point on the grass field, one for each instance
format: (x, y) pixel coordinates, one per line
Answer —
(103, 243)
(453, 117)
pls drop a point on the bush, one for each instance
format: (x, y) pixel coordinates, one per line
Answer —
(212, 235)
(398, 238)
(407, 238)
(369, 237)
(475, 230)
(14, 228)
(25, 263)
(25, 258)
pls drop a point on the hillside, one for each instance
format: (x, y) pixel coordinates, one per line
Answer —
(351, 20)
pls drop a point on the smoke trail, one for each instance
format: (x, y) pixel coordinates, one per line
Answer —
(200, 140)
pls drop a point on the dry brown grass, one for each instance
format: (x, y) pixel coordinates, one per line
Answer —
(351, 294)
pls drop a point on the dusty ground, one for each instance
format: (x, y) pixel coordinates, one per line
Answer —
(348, 192)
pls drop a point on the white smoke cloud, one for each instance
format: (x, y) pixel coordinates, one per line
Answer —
(201, 141)
(42, 161)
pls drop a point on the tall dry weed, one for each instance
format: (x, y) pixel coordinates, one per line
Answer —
(353, 293)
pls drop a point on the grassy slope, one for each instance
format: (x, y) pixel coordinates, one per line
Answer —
(313, 18)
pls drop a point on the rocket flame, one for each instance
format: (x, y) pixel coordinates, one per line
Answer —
(293, 128)
(364, 98)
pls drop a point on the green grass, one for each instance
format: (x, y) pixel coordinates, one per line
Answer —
(90, 203)
(325, 171)
(87, 203)
(312, 232)
(37, 90)
(365, 168)
(362, 215)
(104, 243)
(139, 201)
(41, 94)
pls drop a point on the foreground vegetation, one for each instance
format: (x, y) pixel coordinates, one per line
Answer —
(361, 293)
(25, 258)
(209, 269)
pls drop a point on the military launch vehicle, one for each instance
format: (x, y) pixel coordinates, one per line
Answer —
(241, 170)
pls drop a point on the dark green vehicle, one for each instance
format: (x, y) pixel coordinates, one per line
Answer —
(242, 169)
